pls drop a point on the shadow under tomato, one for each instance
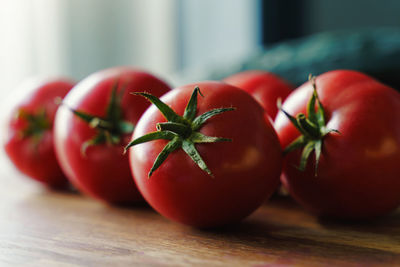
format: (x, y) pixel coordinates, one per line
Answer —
(313, 237)
(68, 189)
(143, 205)
(388, 225)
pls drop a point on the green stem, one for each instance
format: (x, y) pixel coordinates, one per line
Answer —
(308, 127)
(182, 131)
(312, 128)
(111, 127)
(101, 124)
(37, 123)
(175, 127)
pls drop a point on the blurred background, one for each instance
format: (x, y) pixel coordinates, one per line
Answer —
(185, 40)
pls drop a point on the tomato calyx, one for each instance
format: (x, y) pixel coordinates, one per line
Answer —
(182, 131)
(37, 123)
(312, 128)
(110, 128)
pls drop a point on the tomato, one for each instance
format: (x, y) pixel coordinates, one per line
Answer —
(357, 175)
(219, 162)
(264, 86)
(94, 124)
(29, 130)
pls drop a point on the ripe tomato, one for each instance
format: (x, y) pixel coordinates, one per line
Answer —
(94, 124)
(264, 86)
(29, 134)
(219, 165)
(357, 175)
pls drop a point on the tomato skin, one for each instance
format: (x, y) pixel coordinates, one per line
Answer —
(104, 172)
(264, 86)
(246, 170)
(36, 160)
(358, 174)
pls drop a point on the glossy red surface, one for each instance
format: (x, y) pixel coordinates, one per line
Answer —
(358, 174)
(246, 170)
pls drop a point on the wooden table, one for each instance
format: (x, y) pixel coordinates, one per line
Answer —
(43, 228)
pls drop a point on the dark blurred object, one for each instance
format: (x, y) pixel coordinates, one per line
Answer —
(280, 23)
(372, 51)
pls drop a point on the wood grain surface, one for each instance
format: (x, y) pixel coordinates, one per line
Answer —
(44, 228)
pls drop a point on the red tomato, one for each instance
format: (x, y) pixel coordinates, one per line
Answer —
(29, 135)
(264, 86)
(229, 180)
(358, 174)
(91, 151)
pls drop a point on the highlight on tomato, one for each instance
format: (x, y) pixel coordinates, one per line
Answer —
(204, 154)
(94, 124)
